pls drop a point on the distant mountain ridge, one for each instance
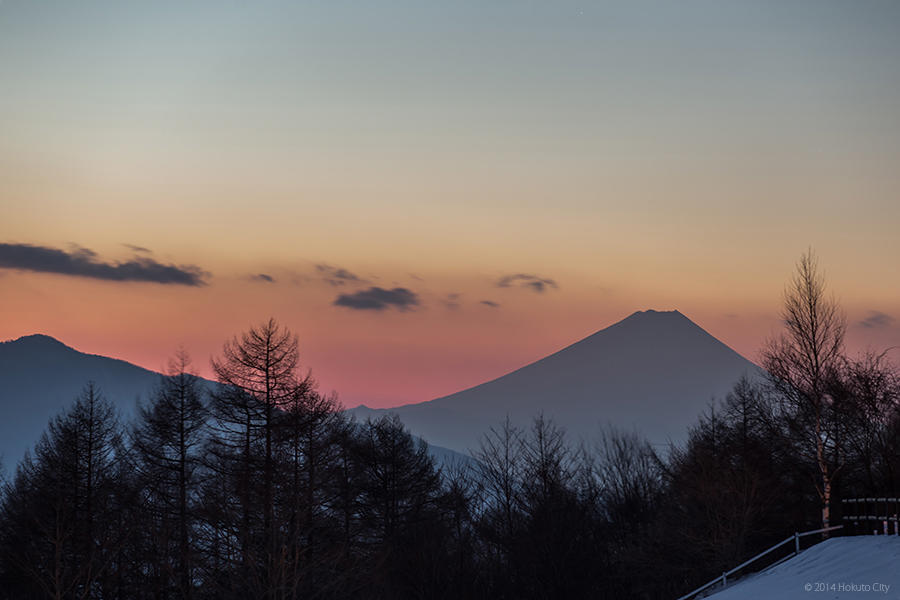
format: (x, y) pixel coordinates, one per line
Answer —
(41, 376)
(653, 371)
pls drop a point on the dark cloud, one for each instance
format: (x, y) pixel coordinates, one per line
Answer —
(538, 284)
(452, 301)
(490, 303)
(877, 320)
(263, 277)
(138, 249)
(337, 276)
(82, 262)
(376, 298)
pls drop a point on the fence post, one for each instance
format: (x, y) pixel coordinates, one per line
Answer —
(724, 579)
(796, 543)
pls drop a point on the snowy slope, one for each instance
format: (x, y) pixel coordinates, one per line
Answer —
(653, 371)
(850, 567)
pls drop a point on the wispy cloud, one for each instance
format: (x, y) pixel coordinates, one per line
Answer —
(138, 249)
(877, 320)
(82, 262)
(337, 276)
(378, 299)
(533, 282)
(490, 303)
(262, 277)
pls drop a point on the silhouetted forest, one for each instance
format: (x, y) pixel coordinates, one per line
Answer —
(261, 487)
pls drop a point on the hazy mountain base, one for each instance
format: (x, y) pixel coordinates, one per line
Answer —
(42, 376)
(654, 372)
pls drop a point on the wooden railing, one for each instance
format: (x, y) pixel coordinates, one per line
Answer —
(723, 579)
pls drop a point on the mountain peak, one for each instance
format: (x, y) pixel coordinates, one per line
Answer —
(42, 376)
(654, 371)
(652, 323)
(651, 313)
(36, 340)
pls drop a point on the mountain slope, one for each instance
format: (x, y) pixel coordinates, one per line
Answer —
(653, 371)
(40, 376)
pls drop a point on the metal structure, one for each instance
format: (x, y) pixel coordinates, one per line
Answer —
(872, 516)
(723, 579)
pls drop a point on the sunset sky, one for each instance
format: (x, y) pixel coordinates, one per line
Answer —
(431, 194)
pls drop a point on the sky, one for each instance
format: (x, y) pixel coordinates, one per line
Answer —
(431, 194)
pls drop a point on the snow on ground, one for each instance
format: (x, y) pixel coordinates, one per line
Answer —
(862, 568)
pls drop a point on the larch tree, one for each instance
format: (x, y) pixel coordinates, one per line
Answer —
(167, 441)
(260, 379)
(58, 515)
(399, 498)
(307, 452)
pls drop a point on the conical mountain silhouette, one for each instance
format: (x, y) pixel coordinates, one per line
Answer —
(653, 371)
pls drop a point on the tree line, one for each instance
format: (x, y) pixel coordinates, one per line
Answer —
(262, 487)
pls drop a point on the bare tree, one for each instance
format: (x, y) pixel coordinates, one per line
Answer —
(802, 365)
(873, 385)
(259, 374)
(500, 472)
(549, 465)
(308, 453)
(167, 440)
(628, 470)
(399, 509)
(58, 514)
